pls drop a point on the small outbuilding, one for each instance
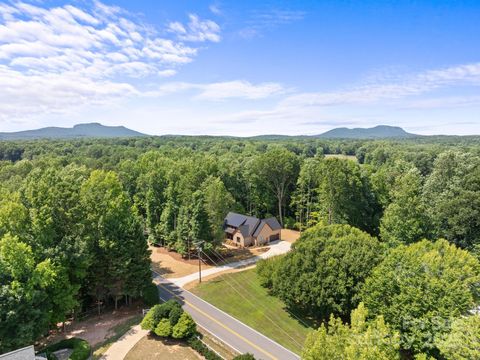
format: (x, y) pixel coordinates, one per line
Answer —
(243, 230)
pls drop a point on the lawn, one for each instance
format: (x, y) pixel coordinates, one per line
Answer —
(255, 308)
(150, 348)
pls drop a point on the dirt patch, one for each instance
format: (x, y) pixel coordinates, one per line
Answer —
(95, 329)
(229, 254)
(290, 235)
(152, 348)
(170, 264)
(194, 283)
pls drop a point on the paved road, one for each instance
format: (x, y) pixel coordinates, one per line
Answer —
(275, 248)
(228, 329)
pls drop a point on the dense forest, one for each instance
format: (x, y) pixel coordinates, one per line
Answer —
(75, 215)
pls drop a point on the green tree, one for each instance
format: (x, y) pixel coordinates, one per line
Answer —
(26, 308)
(14, 217)
(192, 224)
(344, 195)
(218, 202)
(276, 171)
(305, 199)
(452, 192)
(463, 340)
(361, 340)
(163, 328)
(185, 327)
(418, 288)
(405, 220)
(121, 265)
(325, 269)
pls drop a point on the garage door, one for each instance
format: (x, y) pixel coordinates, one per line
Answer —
(275, 237)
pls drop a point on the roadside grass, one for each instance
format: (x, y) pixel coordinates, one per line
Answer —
(263, 312)
(118, 331)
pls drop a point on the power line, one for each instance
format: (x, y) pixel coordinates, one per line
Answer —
(286, 309)
(253, 305)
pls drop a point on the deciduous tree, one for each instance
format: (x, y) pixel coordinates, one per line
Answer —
(418, 288)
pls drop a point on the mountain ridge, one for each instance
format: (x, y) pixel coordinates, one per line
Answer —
(97, 130)
(86, 130)
(376, 132)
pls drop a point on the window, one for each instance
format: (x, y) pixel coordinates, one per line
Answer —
(238, 239)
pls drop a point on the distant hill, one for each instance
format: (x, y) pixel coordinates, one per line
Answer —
(93, 130)
(377, 132)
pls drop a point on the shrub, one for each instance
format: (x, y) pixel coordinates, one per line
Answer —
(81, 348)
(148, 322)
(150, 295)
(246, 356)
(164, 328)
(185, 327)
(463, 341)
(175, 314)
(266, 269)
(197, 345)
(159, 312)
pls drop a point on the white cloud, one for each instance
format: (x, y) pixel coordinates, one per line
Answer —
(197, 30)
(263, 20)
(218, 91)
(409, 85)
(215, 9)
(84, 51)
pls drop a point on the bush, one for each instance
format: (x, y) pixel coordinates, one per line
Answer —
(197, 345)
(150, 295)
(266, 269)
(159, 312)
(164, 328)
(463, 340)
(246, 356)
(148, 322)
(81, 348)
(175, 314)
(185, 327)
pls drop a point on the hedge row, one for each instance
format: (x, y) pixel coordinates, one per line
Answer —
(81, 349)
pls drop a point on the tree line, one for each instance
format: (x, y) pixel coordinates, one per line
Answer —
(75, 215)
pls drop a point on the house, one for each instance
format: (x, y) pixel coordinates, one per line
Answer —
(245, 230)
(26, 353)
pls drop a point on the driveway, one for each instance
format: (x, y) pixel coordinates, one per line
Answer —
(275, 248)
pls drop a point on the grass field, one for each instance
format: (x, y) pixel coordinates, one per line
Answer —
(341, 156)
(255, 308)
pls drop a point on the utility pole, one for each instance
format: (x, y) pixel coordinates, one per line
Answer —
(199, 246)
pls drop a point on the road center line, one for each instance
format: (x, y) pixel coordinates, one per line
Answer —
(219, 323)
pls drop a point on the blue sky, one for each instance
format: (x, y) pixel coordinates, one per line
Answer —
(241, 67)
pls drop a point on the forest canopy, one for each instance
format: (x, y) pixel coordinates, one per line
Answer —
(76, 215)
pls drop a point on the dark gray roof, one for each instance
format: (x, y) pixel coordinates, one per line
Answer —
(250, 225)
(246, 224)
(26, 353)
(272, 222)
